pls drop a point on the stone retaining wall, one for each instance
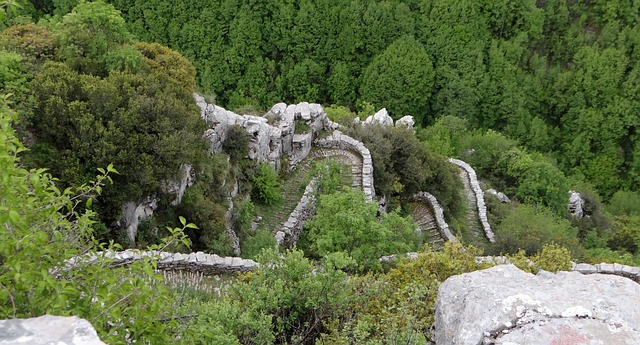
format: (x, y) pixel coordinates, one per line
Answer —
(630, 272)
(305, 210)
(438, 213)
(208, 264)
(475, 186)
(342, 141)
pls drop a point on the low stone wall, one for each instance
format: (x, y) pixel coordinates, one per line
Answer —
(208, 264)
(305, 210)
(342, 141)
(475, 186)
(438, 213)
(625, 271)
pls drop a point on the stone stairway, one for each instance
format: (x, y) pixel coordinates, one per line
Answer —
(423, 215)
(347, 157)
(474, 234)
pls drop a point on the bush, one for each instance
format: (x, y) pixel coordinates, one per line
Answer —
(266, 188)
(530, 229)
(345, 223)
(624, 203)
(40, 221)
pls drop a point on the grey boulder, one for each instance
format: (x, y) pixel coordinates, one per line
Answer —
(46, 330)
(504, 305)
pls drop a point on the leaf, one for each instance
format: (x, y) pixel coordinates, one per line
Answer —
(14, 216)
(89, 203)
(183, 221)
(191, 226)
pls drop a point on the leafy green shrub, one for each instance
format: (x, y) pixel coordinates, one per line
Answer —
(170, 62)
(41, 221)
(340, 114)
(266, 188)
(253, 245)
(345, 223)
(529, 229)
(624, 203)
(297, 297)
(236, 144)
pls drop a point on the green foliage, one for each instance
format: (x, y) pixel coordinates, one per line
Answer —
(89, 33)
(31, 40)
(293, 294)
(254, 244)
(340, 114)
(236, 144)
(400, 305)
(125, 58)
(403, 166)
(170, 62)
(552, 258)
(85, 122)
(39, 220)
(537, 180)
(400, 79)
(528, 228)
(345, 223)
(443, 137)
(266, 188)
(624, 203)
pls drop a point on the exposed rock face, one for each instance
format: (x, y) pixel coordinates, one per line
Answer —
(178, 188)
(133, 213)
(576, 204)
(504, 305)
(381, 117)
(503, 198)
(46, 330)
(273, 135)
(470, 174)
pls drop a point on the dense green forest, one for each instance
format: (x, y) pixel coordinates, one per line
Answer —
(540, 97)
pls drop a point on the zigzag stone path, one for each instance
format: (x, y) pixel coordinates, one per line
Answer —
(476, 197)
(428, 214)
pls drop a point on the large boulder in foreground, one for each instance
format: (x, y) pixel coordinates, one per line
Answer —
(504, 305)
(45, 330)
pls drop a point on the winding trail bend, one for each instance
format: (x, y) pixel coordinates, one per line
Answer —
(476, 208)
(428, 214)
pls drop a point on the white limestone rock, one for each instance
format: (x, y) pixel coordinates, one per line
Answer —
(406, 121)
(503, 198)
(46, 330)
(576, 204)
(381, 118)
(504, 305)
(133, 213)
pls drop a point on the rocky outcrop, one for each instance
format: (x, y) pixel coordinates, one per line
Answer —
(469, 175)
(576, 204)
(438, 215)
(177, 188)
(381, 118)
(503, 198)
(47, 330)
(338, 140)
(207, 264)
(133, 213)
(406, 121)
(504, 305)
(272, 135)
